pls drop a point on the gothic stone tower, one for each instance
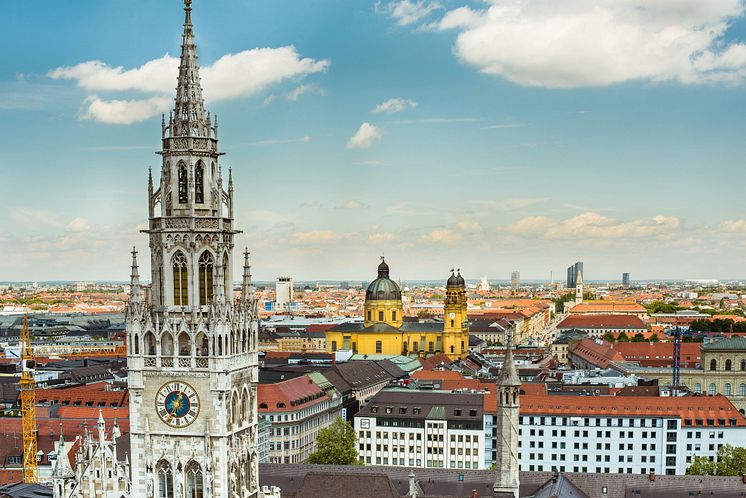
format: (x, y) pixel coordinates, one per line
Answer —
(508, 404)
(192, 348)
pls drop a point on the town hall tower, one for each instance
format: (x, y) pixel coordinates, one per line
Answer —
(192, 347)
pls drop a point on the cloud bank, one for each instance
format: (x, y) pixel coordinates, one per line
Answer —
(587, 43)
(232, 76)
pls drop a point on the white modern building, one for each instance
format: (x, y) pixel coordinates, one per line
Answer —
(283, 294)
(621, 434)
(432, 429)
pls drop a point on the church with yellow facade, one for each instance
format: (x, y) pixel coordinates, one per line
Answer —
(384, 330)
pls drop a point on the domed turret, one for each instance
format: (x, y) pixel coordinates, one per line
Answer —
(383, 300)
(460, 279)
(452, 280)
(383, 288)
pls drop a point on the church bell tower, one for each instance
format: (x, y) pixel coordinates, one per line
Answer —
(192, 347)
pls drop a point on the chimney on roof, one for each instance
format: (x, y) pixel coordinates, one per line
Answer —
(651, 476)
(474, 493)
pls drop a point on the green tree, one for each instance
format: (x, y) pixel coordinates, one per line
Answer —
(638, 337)
(336, 445)
(622, 337)
(731, 461)
(609, 337)
(654, 338)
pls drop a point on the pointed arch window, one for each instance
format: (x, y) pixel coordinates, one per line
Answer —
(206, 265)
(183, 184)
(199, 183)
(195, 485)
(181, 279)
(165, 480)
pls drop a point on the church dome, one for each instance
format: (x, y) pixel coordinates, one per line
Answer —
(460, 279)
(383, 288)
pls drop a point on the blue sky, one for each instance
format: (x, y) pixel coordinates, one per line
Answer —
(521, 135)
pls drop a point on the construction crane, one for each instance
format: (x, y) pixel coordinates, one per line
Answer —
(28, 407)
(677, 332)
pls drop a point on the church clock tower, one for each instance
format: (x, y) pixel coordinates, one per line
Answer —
(192, 348)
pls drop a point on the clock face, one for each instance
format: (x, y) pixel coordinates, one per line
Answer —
(453, 315)
(177, 404)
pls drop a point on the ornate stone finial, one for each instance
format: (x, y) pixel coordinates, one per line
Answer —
(247, 288)
(187, 4)
(135, 288)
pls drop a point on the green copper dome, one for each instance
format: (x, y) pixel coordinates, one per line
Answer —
(383, 288)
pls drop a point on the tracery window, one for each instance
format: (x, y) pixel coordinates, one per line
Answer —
(205, 278)
(165, 480)
(183, 184)
(181, 279)
(199, 184)
(195, 484)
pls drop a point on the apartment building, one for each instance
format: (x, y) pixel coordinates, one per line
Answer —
(619, 434)
(432, 429)
(297, 409)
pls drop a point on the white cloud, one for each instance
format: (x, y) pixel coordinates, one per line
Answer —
(395, 105)
(381, 237)
(579, 43)
(364, 137)
(157, 75)
(123, 111)
(469, 226)
(79, 225)
(231, 76)
(296, 92)
(316, 237)
(593, 226)
(353, 204)
(407, 12)
(442, 236)
(733, 226)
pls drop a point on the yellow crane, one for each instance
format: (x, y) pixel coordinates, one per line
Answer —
(28, 407)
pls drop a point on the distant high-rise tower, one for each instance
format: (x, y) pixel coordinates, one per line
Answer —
(515, 279)
(572, 274)
(625, 280)
(283, 294)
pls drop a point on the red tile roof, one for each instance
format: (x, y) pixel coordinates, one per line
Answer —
(435, 361)
(717, 409)
(289, 395)
(608, 306)
(626, 322)
(598, 354)
(437, 375)
(659, 353)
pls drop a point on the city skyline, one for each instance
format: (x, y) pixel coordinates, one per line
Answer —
(356, 107)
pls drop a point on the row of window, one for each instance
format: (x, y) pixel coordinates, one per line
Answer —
(728, 365)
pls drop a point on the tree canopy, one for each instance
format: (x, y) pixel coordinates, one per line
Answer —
(718, 325)
(731, 461)
(662, 307)
(336, 445)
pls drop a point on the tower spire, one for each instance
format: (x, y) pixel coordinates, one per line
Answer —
(135, 288)
(189, 108)
(247, 289)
